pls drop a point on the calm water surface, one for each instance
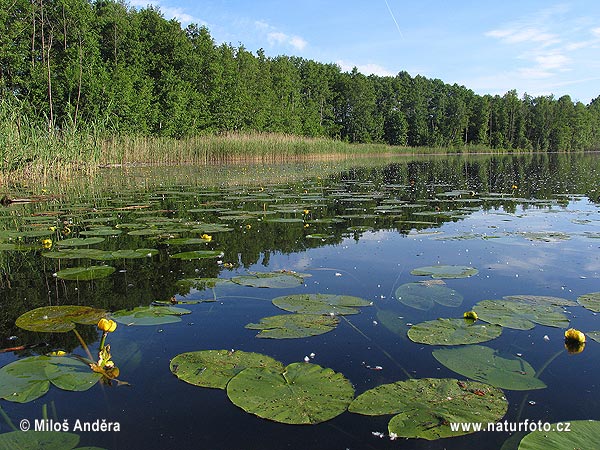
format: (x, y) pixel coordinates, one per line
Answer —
(529, 225)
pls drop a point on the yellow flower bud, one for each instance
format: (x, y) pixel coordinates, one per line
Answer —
(471, 315)
(47, 243)
(206, 237)
(574, 335)
(108, 326)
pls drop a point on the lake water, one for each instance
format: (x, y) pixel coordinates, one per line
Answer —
(529, 225)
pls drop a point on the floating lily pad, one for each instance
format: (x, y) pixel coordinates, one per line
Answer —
(20, 247)
(214, 368)
(79, 242)
(423, 296)
(321, 304)
(76, 253)
(27, 379)
(186, 241)
(270, 280)
(59, 319)
(520, 315)
(484, 364)
(545, 236)
(292, 326)
(453, 332)
(85, 273)
(582, 434)
(425, 407)
(595, 335)
(101, 232)
(301, 393)
(198, 254)
(442, 271)
(127, 254)
(541, 300)
(150, 315)
(321, 236)
(47, 440)
(590, 301)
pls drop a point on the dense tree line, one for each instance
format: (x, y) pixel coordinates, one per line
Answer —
(102, 63)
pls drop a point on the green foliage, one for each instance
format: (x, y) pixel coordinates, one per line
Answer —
(293, 326)
(59, 319)
(424, 295)
(583, 434)
(453, 332)
(150, 315)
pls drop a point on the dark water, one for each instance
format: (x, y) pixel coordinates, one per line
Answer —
(530, 225)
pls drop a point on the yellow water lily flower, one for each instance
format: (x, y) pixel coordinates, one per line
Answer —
(574, 335)
(47, 243)
(248, 226)
(206, 237)
(57, 353)
(471, 315)
(574, 347)
(106, 325)
(306, 211)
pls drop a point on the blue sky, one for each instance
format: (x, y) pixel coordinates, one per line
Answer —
(539, 47)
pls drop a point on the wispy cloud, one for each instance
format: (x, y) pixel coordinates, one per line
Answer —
(367, 69)
(169, 12)
(276, 37)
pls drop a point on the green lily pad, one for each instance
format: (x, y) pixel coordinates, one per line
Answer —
(292, 326)
(541, 300)
(583, 434)
(27, 379)
(150, 315)
(453, 332)
(76, 253)
(425, 407)
(520, 315)
(214, 368)
(198, 254)
(278, 280)
(47, 440)
(78, 242)
(594, 335)
(321, 304)
(301, 393)
(103, 231)
(186, 241)
(85, 273)
(20, 247)
(484, 364)
(423, 296)
(59, 319)
(590, 301)
(127, 254)
(443, 271)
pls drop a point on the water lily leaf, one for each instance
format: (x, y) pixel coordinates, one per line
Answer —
(541, 300)
(78, 242)
(270, 280)
(85, 273)
(59, 319)
(102, 231)
(150, 315)
(590, 301)
(214, 368)
(583, 434)
(18, 246)
(484, 364)
(127, 254)
(319, 236)
(211, 228)
(520, 315)
(425, 407)
(76, 253)
(595, 335)
(48, 440)
(301, 393)
(443, 271)
(291, 326)
(27, 379)
(321, 304)
(186, 241)
(198, 254)
(423, 296)
(453, 332)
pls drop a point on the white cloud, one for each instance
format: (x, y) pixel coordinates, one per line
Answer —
(596, 32)
(522, 34)
(276, 37)
(367, 69)
(168, 12)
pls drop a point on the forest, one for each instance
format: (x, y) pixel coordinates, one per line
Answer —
(85, 66)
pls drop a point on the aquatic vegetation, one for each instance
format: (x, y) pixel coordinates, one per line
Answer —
(150, 315)
(582, 434)
(445, 271)
(301, 393)
(323, 304)
(215, 368)
(453, 332)
(574, 335)
(590, 301)
(278, 280)
(424, 408)
(59, 319)
(470, 315)
(486, 365)
(85, 273)
(424, 295)
(520, 315)
(293, 326)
